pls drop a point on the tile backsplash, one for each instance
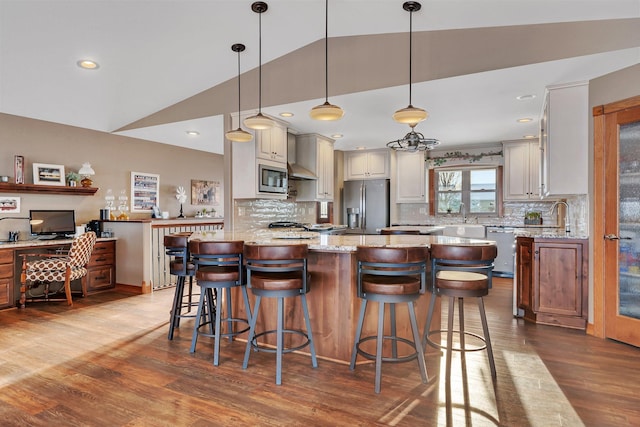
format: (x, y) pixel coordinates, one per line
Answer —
(252, 214)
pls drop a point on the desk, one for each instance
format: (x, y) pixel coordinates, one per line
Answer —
(101, 275)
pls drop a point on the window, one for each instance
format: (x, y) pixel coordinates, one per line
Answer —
(473, 191)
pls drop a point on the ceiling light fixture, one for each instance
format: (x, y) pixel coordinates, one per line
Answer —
(88, 64)
(525, 97)
(529, 136)
(524, 120)
(286, 114)
(238, 135)
(259, 121)
(337, 136)
(413, 141)
(192, 132)
(410, 115)
(326, 111)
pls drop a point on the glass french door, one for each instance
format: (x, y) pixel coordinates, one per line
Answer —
(622, 226)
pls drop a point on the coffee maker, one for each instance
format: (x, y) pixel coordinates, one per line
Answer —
(95, 226)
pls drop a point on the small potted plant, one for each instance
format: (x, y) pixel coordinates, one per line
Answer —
(533, 218)
(72, 179)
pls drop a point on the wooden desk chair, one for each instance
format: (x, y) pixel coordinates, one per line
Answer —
(48, 274)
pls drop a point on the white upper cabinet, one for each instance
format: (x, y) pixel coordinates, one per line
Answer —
(315, 152)
(373, 164)
(564, 140)
(411, 177)
(521, 170)
(271, 144)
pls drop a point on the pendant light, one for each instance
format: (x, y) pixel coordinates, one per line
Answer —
(238, 135)
(326, 111)
(410, 115)
(259, 122)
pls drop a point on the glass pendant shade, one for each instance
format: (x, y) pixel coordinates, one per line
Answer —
(410, 115)
(238, 135)
(259, 122)
(326, 111)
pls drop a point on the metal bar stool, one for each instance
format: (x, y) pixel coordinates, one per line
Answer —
(460, 272)
(181, 266)
(390, 276)
(218, 268)
(278, 272)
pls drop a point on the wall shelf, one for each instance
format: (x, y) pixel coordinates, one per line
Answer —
(47, 189)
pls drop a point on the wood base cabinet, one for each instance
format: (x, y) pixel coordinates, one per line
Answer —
(101, 274)
(6, 278)
(552, 280)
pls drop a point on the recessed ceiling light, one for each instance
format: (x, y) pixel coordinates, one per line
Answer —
(286, 114)
(360, 148)
(88, 64)
(193, 133)
(529, 136)
(337, 135)
(524, 120)
(525, 97)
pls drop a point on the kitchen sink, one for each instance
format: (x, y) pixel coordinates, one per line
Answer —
(472, 231)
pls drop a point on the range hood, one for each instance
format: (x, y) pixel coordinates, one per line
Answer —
(295, 171)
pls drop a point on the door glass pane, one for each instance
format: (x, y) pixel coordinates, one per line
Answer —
(629, 219)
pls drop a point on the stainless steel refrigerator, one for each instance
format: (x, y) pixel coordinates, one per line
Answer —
(366, 205)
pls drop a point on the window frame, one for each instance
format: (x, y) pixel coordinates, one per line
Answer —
(433, 190)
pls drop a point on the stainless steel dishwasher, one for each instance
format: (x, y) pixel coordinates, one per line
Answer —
(506, 242)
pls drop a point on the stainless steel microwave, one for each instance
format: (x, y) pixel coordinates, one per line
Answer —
(272, 179)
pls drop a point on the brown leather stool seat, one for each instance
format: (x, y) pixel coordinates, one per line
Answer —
(180, 265)
(390, 231)
(459, 272)
(278, 271)
(390, 276)
(219, 267)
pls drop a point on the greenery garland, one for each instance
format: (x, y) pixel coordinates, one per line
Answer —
(459, 155)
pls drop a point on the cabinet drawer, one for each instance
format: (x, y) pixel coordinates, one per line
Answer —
(101, 259)
(100, 278)
(6, 257)
(5, 294)
(6, 271)
(102, 247)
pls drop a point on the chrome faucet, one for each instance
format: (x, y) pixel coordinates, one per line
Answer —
(463, 212)
(567, 217)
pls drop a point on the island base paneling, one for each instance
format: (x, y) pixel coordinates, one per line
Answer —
(333, 308)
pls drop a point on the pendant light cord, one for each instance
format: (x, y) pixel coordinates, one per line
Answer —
(410, 51)
(260, 63)
(326, 51)
(238, 88)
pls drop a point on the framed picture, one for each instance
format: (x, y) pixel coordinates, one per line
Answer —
(205, 192)
(9, 204)
(45, 174)
(18, 169)
(145, 191)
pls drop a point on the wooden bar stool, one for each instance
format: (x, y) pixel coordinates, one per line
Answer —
(181, 266)
(390, 276)
(218, 268)
(460, 272)
(278, 271)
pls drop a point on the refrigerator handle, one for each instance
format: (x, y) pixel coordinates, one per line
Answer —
(363, 209)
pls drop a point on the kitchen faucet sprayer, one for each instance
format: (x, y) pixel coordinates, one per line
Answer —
(463, 212)
(567, 217)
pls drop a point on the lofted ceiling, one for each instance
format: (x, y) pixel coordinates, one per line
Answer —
(166, 66)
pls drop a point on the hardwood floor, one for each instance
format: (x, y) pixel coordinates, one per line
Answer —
(107, 362)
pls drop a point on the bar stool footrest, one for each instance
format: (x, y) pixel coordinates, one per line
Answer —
(264, 348)
(401, 359)
(465, 349)
(227, 334)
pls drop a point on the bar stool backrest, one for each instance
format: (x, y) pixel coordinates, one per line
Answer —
(277, 259)
(388, 231)
(470, 258)
(217, 254)
(176, 247)
(401, 261)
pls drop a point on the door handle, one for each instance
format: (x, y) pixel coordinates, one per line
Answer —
(614, 237)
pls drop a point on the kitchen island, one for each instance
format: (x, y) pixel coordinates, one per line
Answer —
(333, 301)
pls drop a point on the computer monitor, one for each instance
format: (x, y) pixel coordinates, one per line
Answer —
(52, 222)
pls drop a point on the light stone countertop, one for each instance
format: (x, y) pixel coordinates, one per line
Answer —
(331, 242)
